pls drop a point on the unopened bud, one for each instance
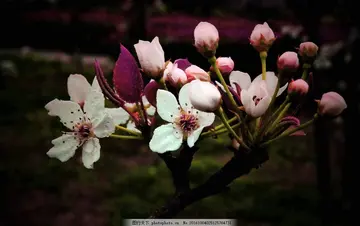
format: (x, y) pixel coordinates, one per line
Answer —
(331, 104)
(298, 86)
(204, 96)
(206, 39)
(262, 37)
(194, 72)
(288, 61)
(225, 64)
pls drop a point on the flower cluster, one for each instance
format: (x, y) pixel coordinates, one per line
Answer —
(179, 105)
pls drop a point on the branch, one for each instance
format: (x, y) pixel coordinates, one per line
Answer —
(179, 167)
(241, 164)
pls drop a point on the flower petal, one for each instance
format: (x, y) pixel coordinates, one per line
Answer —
(69, 112)
(103, 125)
(271, 81)
(261, 107)
(184, 98)
(78, 87)
(282, 89)
(246, 99)
(241, 78)
(119, 115)
(166, 138)
(194, 136)
(167, 105)
(94, 104)
(91, 152)
(158, 47)
(95, 85)
(64, 147)
(131, 126)
(205, 119)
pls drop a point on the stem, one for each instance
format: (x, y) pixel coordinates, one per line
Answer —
(128, 131)
(288, 133)
(143, 110)
(220, 113)
(162, 83)
(306, 68)
(263, 56)
(220, 131)
(212, 61)
(222, 125)
(241, 164)
(280, 116)
(125, 137)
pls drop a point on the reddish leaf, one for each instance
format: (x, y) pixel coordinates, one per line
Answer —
(150, 91)
(182, 63)
(127, 77)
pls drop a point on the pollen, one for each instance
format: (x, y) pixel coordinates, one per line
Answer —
(187, 122)
(84, 130)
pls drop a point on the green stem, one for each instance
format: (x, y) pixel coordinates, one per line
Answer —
(220, 131)
(220, 113)
(128, 131)
(280, 116)
(288, 133)
(306, 68)
(124, 137)
(263, 56)
(162, 83)
(222, 125)
(212, 61)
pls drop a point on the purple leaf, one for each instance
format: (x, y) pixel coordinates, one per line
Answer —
(182, 63)
(150, 92)
(127, 77)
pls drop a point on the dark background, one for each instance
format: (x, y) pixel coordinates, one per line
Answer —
(308, 180)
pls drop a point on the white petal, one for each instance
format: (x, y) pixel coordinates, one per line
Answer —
(131, 126)
(282, 89)
(194, 136)
(94, 104)
(119, 115)
(246, 99)
(184, 98)
(166, 138)
(95, 85)
(159, 49)
(205, 119)
(91, 152)
(151, 110)
(64, 147)
(78, 87)
(220, 85)
(261, 107)
(103, 125)
(241, 78)
(271, 81)
(69, 112)
(167, 105)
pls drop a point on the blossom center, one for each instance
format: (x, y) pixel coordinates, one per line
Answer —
(256, 100)
(187, 123)
(84, 130)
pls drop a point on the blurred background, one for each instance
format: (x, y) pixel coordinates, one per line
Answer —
(308, 180)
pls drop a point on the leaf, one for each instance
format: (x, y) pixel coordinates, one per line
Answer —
(127, 78)
(150, 91)
(182, 63)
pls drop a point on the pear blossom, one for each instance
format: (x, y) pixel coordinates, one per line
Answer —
(225, 64)
(194, 72)
(151, 57)
(331, 104)
(262, 37)
(206, 38)
(288, 61)
(308, 49)
(87, 125)
(185, 122)
(79, 88)
(256, 95)
(176, 76)
(298, 86)
(204, 96)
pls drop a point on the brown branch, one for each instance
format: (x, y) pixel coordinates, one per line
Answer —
(241, 164)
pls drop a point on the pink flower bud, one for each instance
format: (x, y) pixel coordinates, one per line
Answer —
(298, 86)
(225, 64)
(177, 77)
(288, 61)
(204, 96)
(308, 49)
(194, 72)
(262, 37)
(331, 104)
(206, 38)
